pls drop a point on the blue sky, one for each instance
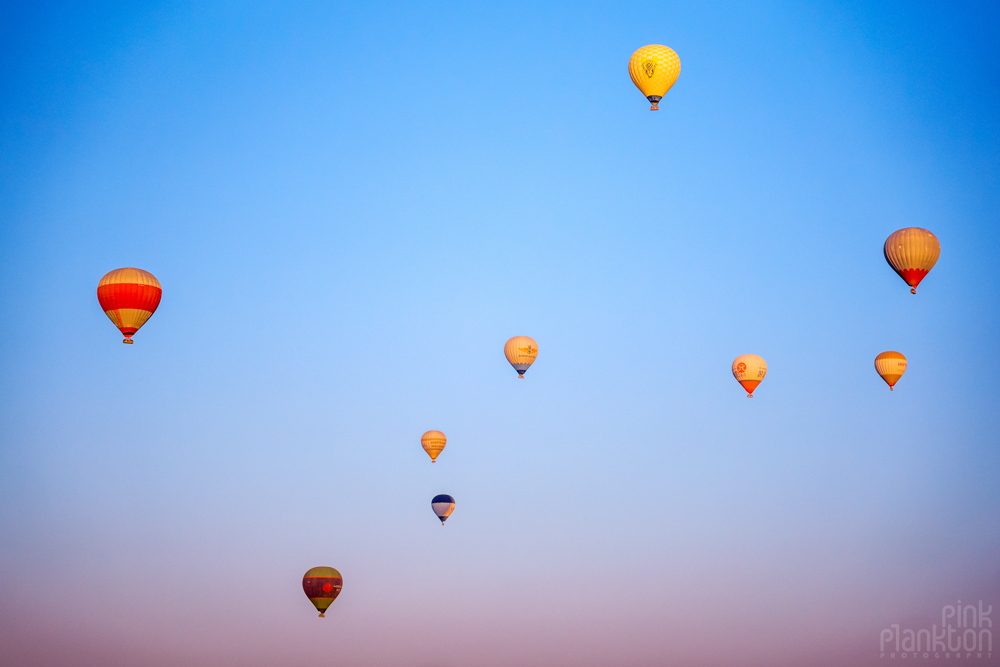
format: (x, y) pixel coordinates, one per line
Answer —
(351, 208)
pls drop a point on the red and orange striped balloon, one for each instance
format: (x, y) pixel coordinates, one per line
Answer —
(129, 297)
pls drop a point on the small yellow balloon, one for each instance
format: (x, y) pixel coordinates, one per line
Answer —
(891, 366)
(521, 352)
(433, 442)
(654, 70)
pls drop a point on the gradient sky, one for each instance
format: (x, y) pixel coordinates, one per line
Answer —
(351, 208)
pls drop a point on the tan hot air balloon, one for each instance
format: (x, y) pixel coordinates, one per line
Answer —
(912, 252)
(433, 442)
(521, 352)
(749, 370)
(891, 366)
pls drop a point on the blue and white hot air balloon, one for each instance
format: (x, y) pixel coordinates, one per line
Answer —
(443, 506)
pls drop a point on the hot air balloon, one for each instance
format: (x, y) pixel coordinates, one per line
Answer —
(443, 506)
(521, 352)
(433, 442)
(129, 297)
(749, 370)
(891, 366)
(322, 586)
(654, 69)
(912, 252)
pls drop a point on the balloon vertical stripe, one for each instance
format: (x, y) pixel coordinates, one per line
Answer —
(912, 252)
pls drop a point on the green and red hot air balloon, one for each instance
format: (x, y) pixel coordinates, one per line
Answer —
(322, 586)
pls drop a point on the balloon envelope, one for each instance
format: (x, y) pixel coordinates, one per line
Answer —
(443, 505)
(891, 366)
(749, 370)
(912, 252)
(521, 352)
(129, 297)
(322, 586)
(433, 442)
(654, 70)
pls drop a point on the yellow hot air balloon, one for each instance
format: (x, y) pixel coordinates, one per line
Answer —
(654, 70)
(521, 352)
(749, 370)
(433, 442)
(891, 366)
(912, 252)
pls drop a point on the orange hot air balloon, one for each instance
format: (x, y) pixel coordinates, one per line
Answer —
(433, 442)
(912, 252)
(891, 366)
(749, 370)
(129, 297)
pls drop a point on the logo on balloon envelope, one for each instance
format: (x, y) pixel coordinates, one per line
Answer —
(650, 68)
(741, 367)
(966, 632)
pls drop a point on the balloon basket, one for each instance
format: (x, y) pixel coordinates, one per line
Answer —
(655, 107)
(913, 290)
(322, 615)
(128, 341)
